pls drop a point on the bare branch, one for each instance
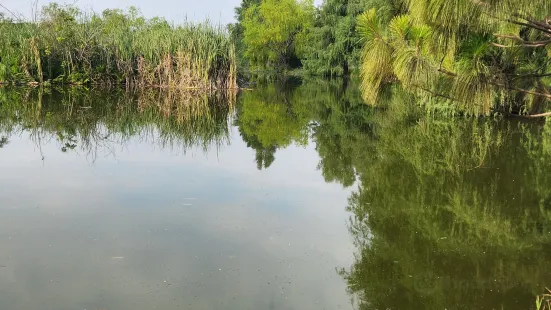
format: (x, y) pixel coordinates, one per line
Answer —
(546, 114)
(18, 18)
(522, 42)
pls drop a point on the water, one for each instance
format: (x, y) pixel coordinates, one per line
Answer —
(292, 197)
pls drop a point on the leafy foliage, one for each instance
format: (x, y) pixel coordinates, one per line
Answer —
(483, 57)
(67, 45)
(273, 30)
(237, 33)
(333, 46)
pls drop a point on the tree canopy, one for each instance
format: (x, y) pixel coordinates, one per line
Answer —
(333, 45)
(272, 30)
(482, 56)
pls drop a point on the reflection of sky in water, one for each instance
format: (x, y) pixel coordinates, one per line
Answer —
(77, 234)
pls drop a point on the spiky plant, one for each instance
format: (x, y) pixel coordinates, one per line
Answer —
(483, 56)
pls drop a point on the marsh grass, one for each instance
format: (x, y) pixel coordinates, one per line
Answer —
(543, 302)
(69, 46)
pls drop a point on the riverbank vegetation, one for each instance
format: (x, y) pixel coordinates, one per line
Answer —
(482, 57)
(461, 58)
(466, 57)
(273, 31)
(275, 36)
(68, 46)
(543, 302)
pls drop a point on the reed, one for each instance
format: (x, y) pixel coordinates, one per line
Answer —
(543, 302)
(69, 46)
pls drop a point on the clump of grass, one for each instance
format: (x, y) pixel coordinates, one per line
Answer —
(69, 46)
(543, 302)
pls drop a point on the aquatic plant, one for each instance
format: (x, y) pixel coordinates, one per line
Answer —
(543, 302)
(69, 46)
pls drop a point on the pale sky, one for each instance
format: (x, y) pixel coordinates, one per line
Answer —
(217, 11)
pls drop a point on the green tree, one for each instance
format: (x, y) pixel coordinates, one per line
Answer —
(273, 31)
(333, 45)
(484, 57)
(236, 32)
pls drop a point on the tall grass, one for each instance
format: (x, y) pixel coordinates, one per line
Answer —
(543, 302)
(67, 45)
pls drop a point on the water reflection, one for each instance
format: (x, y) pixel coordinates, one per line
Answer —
(442, 213)
(95, 121)
(160, 225)
(272, 118)
(448, 215)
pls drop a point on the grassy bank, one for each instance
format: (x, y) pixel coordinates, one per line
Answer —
(68, 46)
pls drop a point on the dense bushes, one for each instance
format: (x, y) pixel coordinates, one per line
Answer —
(481, 57)
(67, 45)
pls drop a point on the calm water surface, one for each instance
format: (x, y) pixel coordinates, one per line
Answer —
(294, 197)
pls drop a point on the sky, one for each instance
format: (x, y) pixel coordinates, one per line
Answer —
(217, 11)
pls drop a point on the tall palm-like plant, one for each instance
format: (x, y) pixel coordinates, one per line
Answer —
(482, 56)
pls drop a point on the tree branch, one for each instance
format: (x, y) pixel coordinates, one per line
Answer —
(531, 24)
(548, 96)
(434, 93)
(523, 42)
(446, 72)
(546, 114)
(530, 75)
(18, 18)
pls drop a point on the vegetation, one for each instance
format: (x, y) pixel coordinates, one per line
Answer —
(333, 46)
(273, 30)
(237, 32)
(277, 35)
(68, 46)
(482, 57)
(543, 302)
(463, 57)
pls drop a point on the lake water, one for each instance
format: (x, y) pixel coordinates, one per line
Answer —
(283, 197)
